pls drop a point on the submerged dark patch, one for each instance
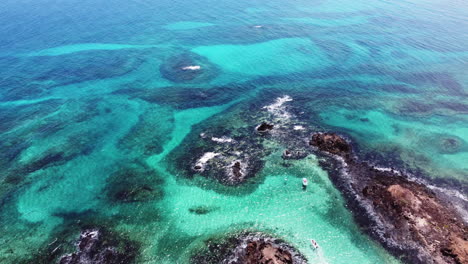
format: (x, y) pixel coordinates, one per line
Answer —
(134, 184)
(143, 138)
(188, 68)
(36, 76)
(450, 145)
(187, 97)
(202, 209)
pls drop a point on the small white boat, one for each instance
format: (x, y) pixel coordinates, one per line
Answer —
(314, 244)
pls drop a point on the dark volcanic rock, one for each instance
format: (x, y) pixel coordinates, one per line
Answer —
(236, 169)
(410, 219)
(248, 248)
(264, 253)
(91, 249)
(332, 143)
(264, 127)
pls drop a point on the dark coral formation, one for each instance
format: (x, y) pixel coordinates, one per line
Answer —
(29, 81)
(188, 67)
(81, 239)
(135, 183)
(182, 97)
(248, 248)
(93, 247)
(448, 145)
(410, 219)
(231, 163)
(143, 139)
(231, 148)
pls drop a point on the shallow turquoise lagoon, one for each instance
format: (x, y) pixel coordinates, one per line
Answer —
(100, 98)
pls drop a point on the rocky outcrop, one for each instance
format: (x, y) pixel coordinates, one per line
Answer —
(265, 253)
(409, 218)
(248, 248)
(258, 248)
(232, 148)
(264, 127)
(332, 143)
(91, 248)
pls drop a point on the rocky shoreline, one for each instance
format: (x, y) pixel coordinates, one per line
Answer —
(407, 217)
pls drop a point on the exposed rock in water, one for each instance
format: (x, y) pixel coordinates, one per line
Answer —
(91, 248)
(231, 148)
(332, 143)
(410, 219)
(249, 248)
(236, 170)
(264, 127)
(293, 154)
(264, 253)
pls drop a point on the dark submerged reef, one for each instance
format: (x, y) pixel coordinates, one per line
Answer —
(92, 247)
(86, 243)
(188, 67)
(202, 209)
(143, 139)
(48, 72)
(247, 248)
(410, 219)
(134, 183)
(182, 97)
(231, 147)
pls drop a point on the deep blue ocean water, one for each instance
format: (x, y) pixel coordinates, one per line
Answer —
(94, 98)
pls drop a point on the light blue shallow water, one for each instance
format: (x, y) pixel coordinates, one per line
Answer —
(94, 102)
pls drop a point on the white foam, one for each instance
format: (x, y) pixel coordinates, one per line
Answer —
(258, 26)
(298, 128)
(191, 68)
(385, 169)
(277, 108)
(222, 139)
(205, 158)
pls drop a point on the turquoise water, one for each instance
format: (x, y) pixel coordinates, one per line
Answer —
(93, 101)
